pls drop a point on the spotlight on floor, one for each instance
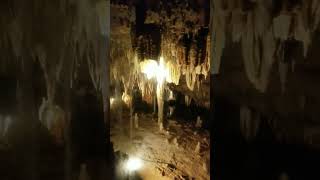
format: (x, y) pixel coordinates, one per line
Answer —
(133, 164)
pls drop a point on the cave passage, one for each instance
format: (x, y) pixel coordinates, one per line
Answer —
(105, 89)
(160, 87)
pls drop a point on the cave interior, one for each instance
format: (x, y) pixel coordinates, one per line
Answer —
(99, 89)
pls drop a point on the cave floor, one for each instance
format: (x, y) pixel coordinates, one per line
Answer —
(174, 146)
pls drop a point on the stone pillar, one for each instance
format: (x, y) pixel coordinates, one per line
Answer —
(160, 100)
(136, 121)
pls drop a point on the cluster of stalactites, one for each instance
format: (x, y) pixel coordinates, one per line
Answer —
(58, 32)
(124, 64)
(263, 32)
(180, 62)
(178, 18)
(122, 16)
(147, 89)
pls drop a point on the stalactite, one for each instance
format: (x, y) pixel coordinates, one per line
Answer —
(211, 39)
(267, 60)
(42, 57)
(16, 37)
(248, 50)
(261, 18)
(191, 77)
(257, 29)
(94, 68)
(219, 36)
(103, 11)
(301, 33)
(187, 100)
(281, 26)
(174, 72)
(238, 25)
(315, 15)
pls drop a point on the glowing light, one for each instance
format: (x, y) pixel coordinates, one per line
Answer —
(149, 67)
(111, 101)
(154, 70)
(162, 72)
(126, 98)
(171, 95)
(133, 164)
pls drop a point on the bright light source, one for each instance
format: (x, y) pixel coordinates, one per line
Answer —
(152, 69)
(162, 72)
(133, 164)
(126, 98)
(149, 67)
(111, 101)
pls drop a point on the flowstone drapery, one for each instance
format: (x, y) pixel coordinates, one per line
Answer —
(74, 27)
(60, 36)
(262, 28)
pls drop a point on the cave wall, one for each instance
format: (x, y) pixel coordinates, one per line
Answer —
(294, 111)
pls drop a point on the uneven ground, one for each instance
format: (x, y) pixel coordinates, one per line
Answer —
(169, 154)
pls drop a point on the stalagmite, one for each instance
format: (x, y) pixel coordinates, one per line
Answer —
(249, 122)
(136, 121)
(175, 141)
(197, 149)
(205, 166)
(191, 77)
(5, 124)
(160, 100)
(84, 173)
(245, 117)
(199, 122)
(283, 176)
